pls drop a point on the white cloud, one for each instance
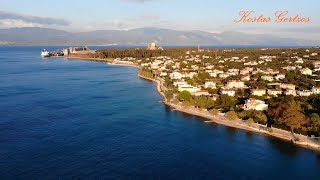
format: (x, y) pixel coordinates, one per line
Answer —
(9, 23)
(4, 15)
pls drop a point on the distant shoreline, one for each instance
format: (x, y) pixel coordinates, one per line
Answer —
(219, 119)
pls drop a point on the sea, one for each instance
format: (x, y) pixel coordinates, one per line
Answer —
(76, 119)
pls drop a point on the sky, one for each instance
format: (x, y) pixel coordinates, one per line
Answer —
(205, 15)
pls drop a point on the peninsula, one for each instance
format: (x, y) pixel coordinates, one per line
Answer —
(270, 91)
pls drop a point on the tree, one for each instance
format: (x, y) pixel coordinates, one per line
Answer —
(185, 95)
(287, 115)
(293, 118)
(186, 104)
(250, 121)
(227, 101)
(175, 101)
(231, 115)
(214, 112)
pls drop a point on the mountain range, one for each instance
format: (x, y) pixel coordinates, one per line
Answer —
(36, 36)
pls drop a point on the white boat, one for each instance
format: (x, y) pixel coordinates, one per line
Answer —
(45, 53)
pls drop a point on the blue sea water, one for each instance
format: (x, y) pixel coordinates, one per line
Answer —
(74, 119)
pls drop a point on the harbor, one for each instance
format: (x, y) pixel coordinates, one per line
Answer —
(65, 52)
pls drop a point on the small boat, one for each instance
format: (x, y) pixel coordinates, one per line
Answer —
(45, 53)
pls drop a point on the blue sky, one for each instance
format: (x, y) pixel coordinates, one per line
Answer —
(206, 15)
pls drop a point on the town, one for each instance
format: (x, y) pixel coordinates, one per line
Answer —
(275, 87)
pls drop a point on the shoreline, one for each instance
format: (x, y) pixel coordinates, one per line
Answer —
(220, 118)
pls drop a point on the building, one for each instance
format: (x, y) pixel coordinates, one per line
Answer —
(304, 93)
(176, 75)
(254, 104)
(235, 84)
(267, 78)
(280, 76)
(316, 89)
(66, 51)
(245, 78)
(228, 92)
(152, 46)
(202, 93)
(290, 92)
(189, 88)
(258, 92)
(306, 71)
(274, 92)
(288, 86)
(210, 84)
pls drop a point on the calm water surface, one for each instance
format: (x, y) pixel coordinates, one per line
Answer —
(70, 119)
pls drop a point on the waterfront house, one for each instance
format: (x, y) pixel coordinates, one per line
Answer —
(254, 104)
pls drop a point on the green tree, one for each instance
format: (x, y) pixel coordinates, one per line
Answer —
(250, 121)
(185, 95)
(175, 101)
(214, 112)
(231, 115)
(186, 104)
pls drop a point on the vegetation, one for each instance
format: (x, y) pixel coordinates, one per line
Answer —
(146, 74)
(250, 121)
(231, 115)
(185, 96)
(140, 53)
(214, 112)
(299, 114)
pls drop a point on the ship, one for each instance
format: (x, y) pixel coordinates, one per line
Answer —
(45, 53)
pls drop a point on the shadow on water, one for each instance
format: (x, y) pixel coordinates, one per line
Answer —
(249, 135)
(285, 148)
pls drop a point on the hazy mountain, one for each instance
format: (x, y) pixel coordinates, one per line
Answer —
(141, 36)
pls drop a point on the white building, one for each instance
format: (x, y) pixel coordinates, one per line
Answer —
(304, 93)
(290, 92)
(228, 92)
(235, 84)
(316, 90)
(306, 71)
(288, 86)
(254, 104)
(202, 93)
(258, 92)
(267, 78)
(189, 88)
(274, 92)
(210, 84)
(176, 75)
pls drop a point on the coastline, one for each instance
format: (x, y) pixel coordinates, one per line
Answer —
(220, 118)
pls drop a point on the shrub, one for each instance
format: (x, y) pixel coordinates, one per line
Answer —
(175, 101)
(231, 115)
(214, 112)
(186, 104)
(250, 121)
